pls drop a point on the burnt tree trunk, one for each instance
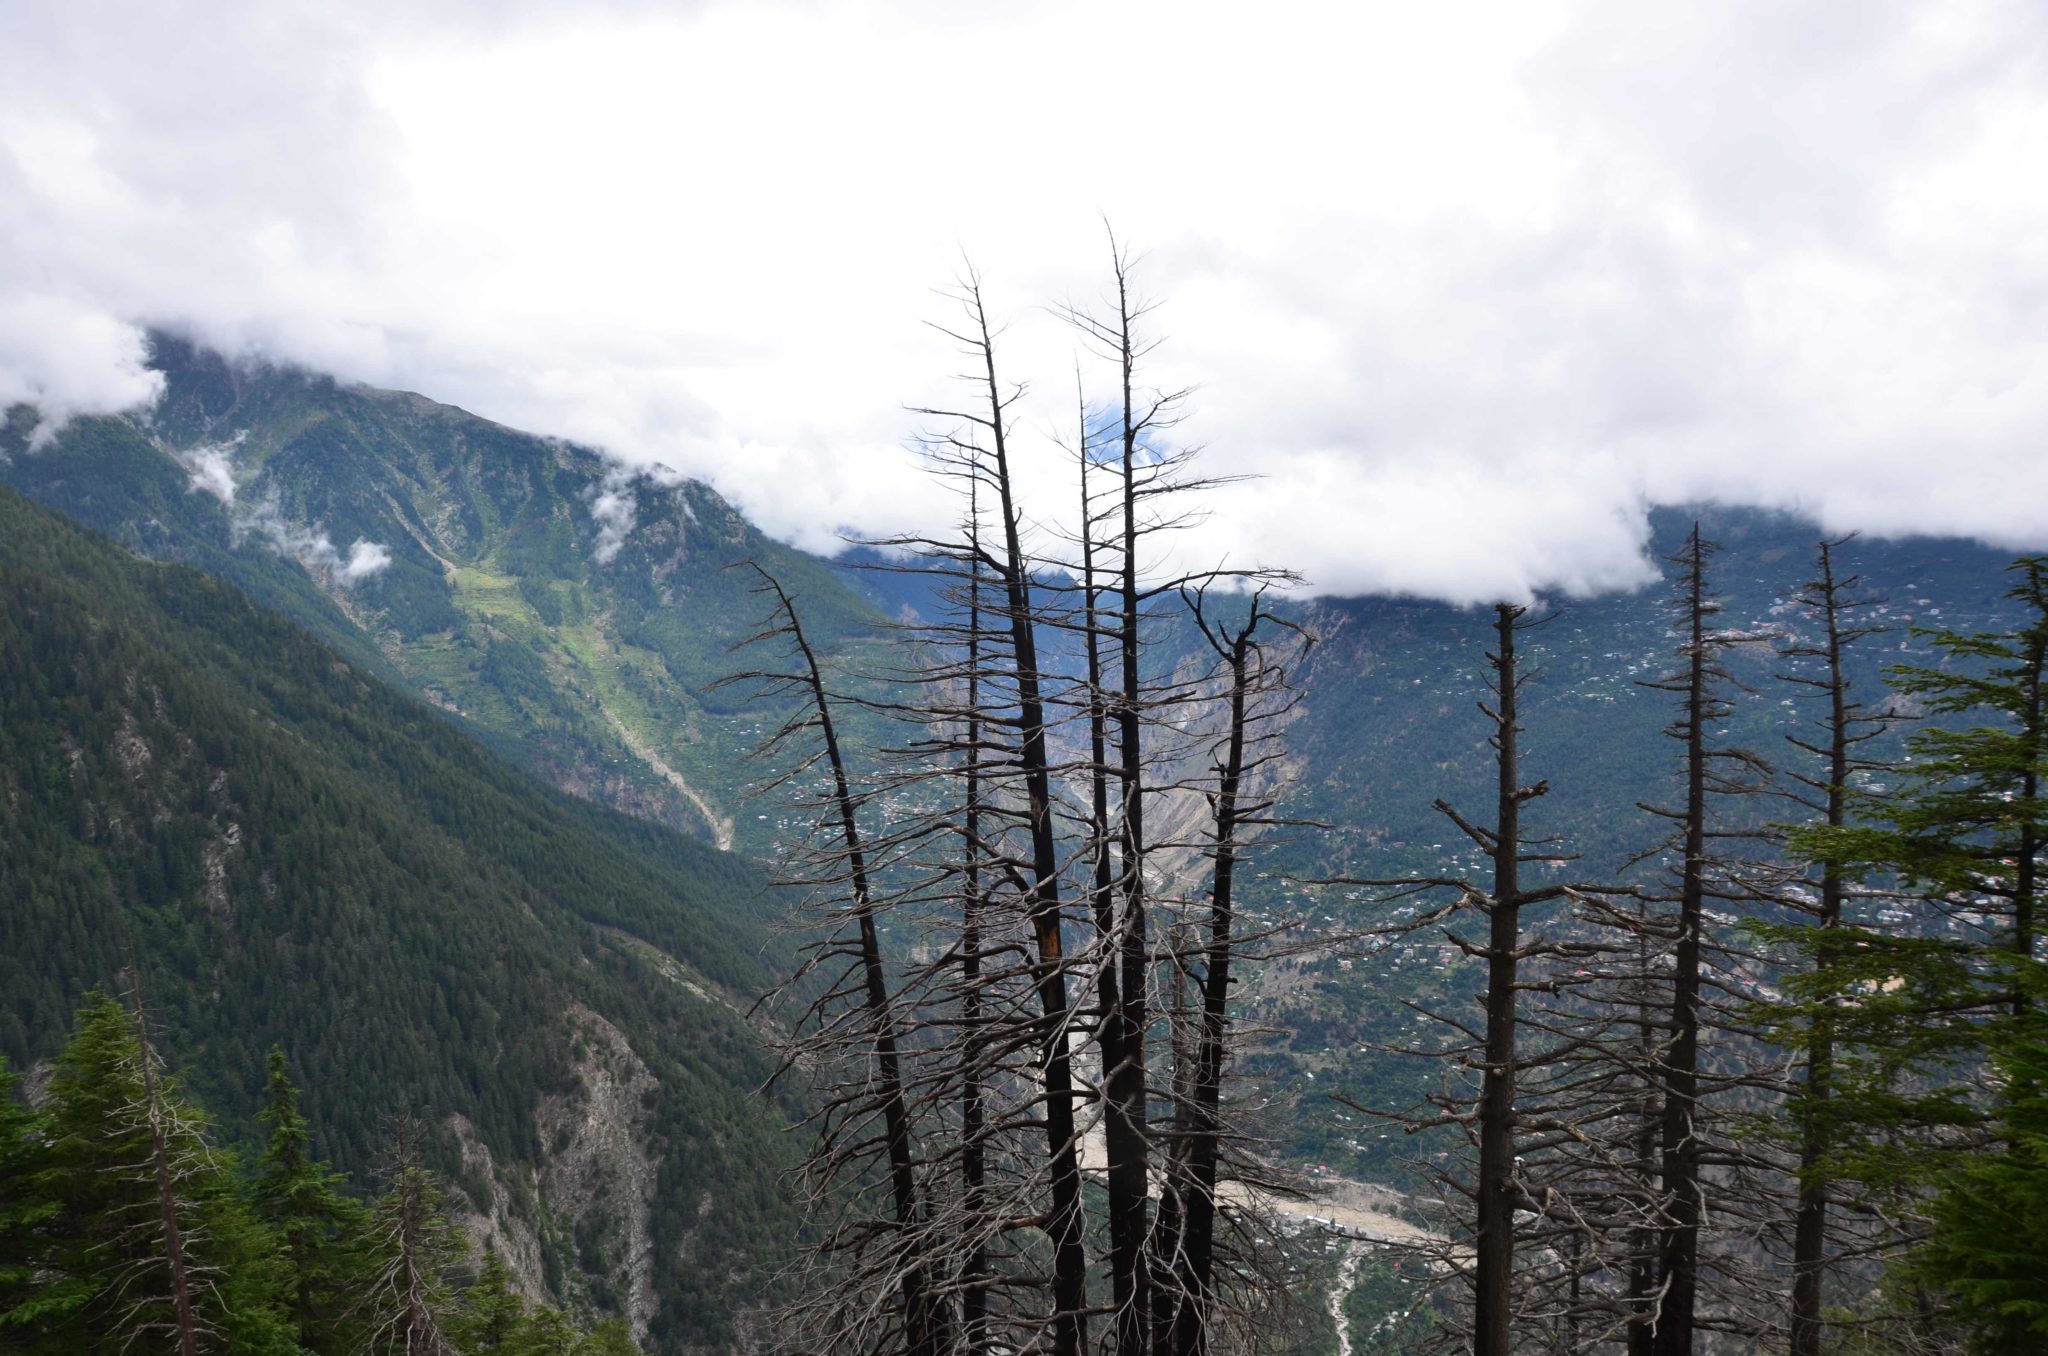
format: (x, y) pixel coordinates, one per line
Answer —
(1494, 1245)
(1063, 1218)
(924, 1316)
(1679, 1142)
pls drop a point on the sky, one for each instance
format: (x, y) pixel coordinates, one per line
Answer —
(1463, 288)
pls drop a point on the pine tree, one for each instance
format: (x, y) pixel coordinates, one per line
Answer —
(30, 1300)
(493, 1319)
(1965, 830)
(547, 1333)
(1989, 1250)
(608, 1339)
(1923, 1013)
(152, 1238)
(322, 1229)
(1970, 823)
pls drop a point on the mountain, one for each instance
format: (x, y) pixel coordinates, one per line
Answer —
(574, 617)
(300, 855)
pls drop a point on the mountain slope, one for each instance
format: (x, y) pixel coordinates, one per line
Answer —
(1388, 723)
(576, 618)
(302, 856)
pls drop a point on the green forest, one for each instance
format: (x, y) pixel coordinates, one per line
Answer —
(124, 1226)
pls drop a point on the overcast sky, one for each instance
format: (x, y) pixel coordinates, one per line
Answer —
(1465, 285)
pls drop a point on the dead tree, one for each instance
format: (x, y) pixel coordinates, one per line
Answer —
(409, 1291)
(1022, 914)
(923, 1313)
(154, 1116)
(1702, 868)
(1149, 481)
(1010, 571)
(1845, 725)
(1185, 1242)
(973, 1118)
(1499, 1186)
(1497, 1200)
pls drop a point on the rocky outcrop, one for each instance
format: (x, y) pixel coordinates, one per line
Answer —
(598, 1173)
(590, 1201)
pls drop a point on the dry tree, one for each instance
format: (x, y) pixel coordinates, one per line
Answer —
(849, 1028)
(1000, 1008)
(1821, 783)
(1685, 1205)
(413, 1248)
(1490, 1191)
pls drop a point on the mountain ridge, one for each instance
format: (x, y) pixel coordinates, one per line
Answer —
(574, 615)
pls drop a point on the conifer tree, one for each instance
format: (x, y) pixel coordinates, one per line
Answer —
(493, 1318)
(608, 1339)
(1968, 826)
(1989, 1248)
(322, 1229)
(151, 1238)
(1935, 1086)
(30, 1300)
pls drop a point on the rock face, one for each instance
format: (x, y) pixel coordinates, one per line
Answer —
(598, 1175)
(593, 1193)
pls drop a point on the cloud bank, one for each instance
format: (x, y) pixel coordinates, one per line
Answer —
(1465, 287)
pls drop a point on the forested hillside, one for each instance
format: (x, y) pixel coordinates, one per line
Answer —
(126, 1223)
(302, 857)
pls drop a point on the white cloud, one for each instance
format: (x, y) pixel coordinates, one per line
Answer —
(365, 558)
(308, 544)
(612, 508)
(67, 358)
(212, 470)
(1467, 285)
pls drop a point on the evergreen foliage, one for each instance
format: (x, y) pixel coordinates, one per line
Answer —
(306, 858)
(128, 1246)
(1964, 836)
(279, 1261)
(319, 1226)
(1989, 1248)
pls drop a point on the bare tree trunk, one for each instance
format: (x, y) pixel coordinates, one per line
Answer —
(160, 1163)
(973, 1149)
(923, 1312)
(1129, 1143)
(1194, 1252)
(2025, 878)
(1810, 1223)
(1494, 1261)
(1678, 1250)
(1063, 1220)
(1642, 1274)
